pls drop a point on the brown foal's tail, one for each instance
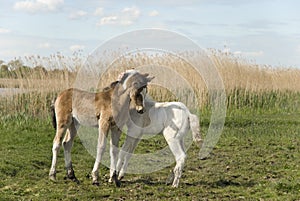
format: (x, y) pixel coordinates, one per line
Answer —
(52, 107)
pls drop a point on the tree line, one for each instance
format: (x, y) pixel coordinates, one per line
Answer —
(15, 69)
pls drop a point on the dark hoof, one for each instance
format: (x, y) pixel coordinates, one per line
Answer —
(76, 180)
(118, 183)
(115, 179)
(204, 158)
(96, 183)
(72, 178)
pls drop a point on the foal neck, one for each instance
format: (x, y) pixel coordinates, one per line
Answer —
(119, 95)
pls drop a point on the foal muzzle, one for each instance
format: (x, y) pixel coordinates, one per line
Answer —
(140, 109)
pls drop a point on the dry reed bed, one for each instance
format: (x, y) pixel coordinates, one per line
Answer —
(237, 73)
(246, 84)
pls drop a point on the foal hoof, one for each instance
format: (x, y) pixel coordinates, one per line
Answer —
(118, 183)
(72, 178)
(76, 180)
(96, 183)
(116, 180)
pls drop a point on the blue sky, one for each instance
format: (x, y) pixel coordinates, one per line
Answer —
(263, 31)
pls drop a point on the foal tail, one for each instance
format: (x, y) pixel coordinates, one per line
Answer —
(195, 127)
(52, 107)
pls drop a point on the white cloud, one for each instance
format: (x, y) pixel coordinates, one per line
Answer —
(153, 13)
(132, 12)
(75, 48)
(99, 11)
(108, 20)
(34, 6)
(78, 14)
(129, 15)
(126, 17)
(4, 31)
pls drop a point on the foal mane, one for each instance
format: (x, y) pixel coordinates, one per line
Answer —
(111, 86)
(123, 77)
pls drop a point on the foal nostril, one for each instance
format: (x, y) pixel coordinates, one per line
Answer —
(140, 111)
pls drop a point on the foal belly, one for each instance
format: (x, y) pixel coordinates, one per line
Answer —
(86, 120)
(155, 122)
(152, 131)
(153, 128)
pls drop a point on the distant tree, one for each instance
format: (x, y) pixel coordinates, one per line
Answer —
(15, 64)
(40, 71)
(4, 71)
(23, 71)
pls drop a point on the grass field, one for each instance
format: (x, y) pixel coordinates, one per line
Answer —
(256, 158)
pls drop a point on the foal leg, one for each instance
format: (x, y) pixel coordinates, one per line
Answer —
(114, 152)
(67, 144)
(180, 156)
(55, 150)
(102, 139)
(126, 153)
(177, 147)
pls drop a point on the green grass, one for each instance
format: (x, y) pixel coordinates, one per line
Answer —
(257, 157)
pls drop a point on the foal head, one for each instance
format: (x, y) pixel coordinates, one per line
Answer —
(138, 99)
(136, 84)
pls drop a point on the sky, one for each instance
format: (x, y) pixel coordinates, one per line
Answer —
(265, 32)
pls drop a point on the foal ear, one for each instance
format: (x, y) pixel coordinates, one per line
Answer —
(150, 78)
(145, 74)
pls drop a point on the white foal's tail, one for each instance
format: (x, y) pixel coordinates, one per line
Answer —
(195, 127)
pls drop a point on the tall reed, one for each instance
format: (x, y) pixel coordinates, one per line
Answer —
(247, 85)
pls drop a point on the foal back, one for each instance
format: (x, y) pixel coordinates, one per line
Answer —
(159, 116)
(81, 107)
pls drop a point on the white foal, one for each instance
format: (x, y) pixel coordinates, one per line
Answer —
(173, 120)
